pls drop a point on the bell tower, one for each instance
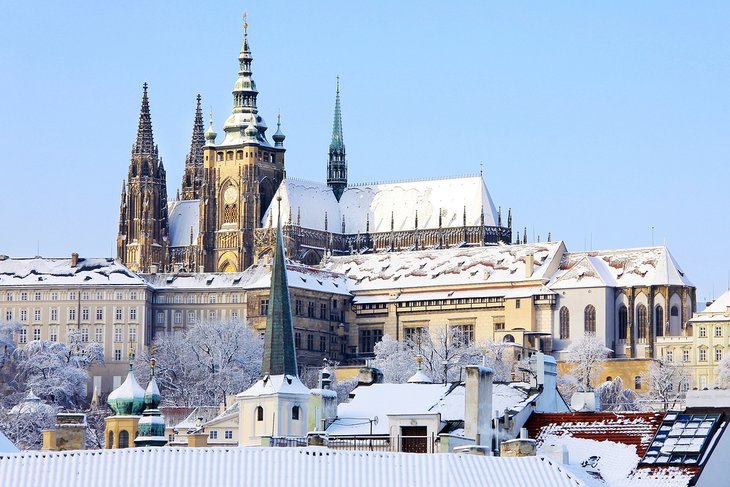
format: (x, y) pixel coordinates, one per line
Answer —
(142, 242)
(240, 176)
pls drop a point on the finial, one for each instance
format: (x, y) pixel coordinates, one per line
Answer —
(211, 116)
(278, 119)
(338, 85)
(278, 211)
(481, 169)
(245, 23)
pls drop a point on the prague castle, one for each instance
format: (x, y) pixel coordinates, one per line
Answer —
(234, 190)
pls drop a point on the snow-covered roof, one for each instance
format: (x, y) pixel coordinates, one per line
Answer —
(719, 306)
(447, 400)
(380, 203)
(276, 384)
(293, 467)
(497, 264)
(6, 446)
(255, 277)
(618, 268)
(183, 216)
(39, 271)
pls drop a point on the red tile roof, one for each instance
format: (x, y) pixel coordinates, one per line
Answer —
(635, 429)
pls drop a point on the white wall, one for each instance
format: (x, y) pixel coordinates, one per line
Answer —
(576, 301)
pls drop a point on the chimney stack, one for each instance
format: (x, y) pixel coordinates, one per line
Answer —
(74, 259)
(529, 264)
(478, 404)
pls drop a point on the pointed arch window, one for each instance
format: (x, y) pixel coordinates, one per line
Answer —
(589, 318)
(623, 322)
(110, 443)
(295, 413)
(674, 311)
(659, 320)
(564, 323)
(642, 321)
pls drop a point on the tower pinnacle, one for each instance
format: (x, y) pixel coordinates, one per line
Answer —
(193, 175)
(337, 163)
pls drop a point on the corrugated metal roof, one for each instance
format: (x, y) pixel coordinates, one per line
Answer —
(290, 467)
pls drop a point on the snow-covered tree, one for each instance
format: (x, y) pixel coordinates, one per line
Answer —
(723, 373)
(586, 353)
(444, 350)
(206, 363)
(55, 371)
(24, 427)
(666, 381)
(615, 397)
(500, 357)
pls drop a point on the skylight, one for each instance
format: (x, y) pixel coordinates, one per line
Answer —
(681, 439)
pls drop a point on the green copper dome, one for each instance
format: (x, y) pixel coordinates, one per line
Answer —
(127, 399)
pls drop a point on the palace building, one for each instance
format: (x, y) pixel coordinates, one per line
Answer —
(224, 218)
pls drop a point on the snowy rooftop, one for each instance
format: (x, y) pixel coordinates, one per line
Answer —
(275, 384)
(293, 467)
(380, 203)
(49, 271)
(448, 267)
(255, 277)
(184, 218)
(623, 267)
(719, 306)
(382, 400)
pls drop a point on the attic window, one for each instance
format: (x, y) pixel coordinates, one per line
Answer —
(303, 279)
(237, 280)
(170, 279)
(320, 282)
(209, 281)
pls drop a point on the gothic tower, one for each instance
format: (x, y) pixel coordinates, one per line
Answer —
(240, 176)
(337, 164)
(193, 175)
(143, 227)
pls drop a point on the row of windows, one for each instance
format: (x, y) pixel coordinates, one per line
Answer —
(98, 334)
(259, 413)
(263, 156)
(71, 314)
(198, 299)
(71, 295)
(642, 329)
(324, 311)
(310, 341)
(702, 331)
(192, 316)
(213, 434)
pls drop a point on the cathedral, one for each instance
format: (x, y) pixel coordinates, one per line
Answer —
(235, 191)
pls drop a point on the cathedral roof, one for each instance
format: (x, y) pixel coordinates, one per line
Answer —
(618, 268)
(183, 216)
(370, 208)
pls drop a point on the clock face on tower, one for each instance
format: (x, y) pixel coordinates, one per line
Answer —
(230, 195)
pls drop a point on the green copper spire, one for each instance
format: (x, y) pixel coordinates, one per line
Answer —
(279, 354)
(337, 163)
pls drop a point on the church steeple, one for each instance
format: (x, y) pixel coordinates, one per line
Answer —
(337, 163)
(245, 111)
(143, 227)
(193, 176)
(279, 353)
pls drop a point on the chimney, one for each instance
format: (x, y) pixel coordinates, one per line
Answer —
(74, 259)
(70, 431)
(478, 404)
(369, 376)
(49, 440)
(529, 264)
(197, 440)
(556, 453)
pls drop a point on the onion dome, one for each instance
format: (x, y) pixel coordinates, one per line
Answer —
(279, 135)
(127, 399)
(151, 427)
(210, 134)
(420, 377)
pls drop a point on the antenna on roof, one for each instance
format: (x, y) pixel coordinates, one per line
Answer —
(652, 235)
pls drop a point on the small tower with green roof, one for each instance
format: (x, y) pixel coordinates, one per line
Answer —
(127, 402)
(151, 428)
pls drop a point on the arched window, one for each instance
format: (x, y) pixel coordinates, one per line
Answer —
(637, 382)
(259, 413)
(564, 323)
(674, 311)
(659, 320)
(124, 439)
(623, 322)
(608, 378)
(641, 318)
(110, 442)
(508, 339)
(589, 318)
(295, 412)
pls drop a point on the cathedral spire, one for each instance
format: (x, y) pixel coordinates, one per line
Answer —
(145, 143)
(337, 163)
(279, 353)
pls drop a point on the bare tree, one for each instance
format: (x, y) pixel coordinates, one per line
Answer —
(586, 353)
(615, 397)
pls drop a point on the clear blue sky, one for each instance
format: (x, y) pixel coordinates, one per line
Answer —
(596, 121)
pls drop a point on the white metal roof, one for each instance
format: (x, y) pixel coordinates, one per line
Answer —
(290, 467)
(184, 217)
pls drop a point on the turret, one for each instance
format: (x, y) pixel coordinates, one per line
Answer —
(151, 428)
